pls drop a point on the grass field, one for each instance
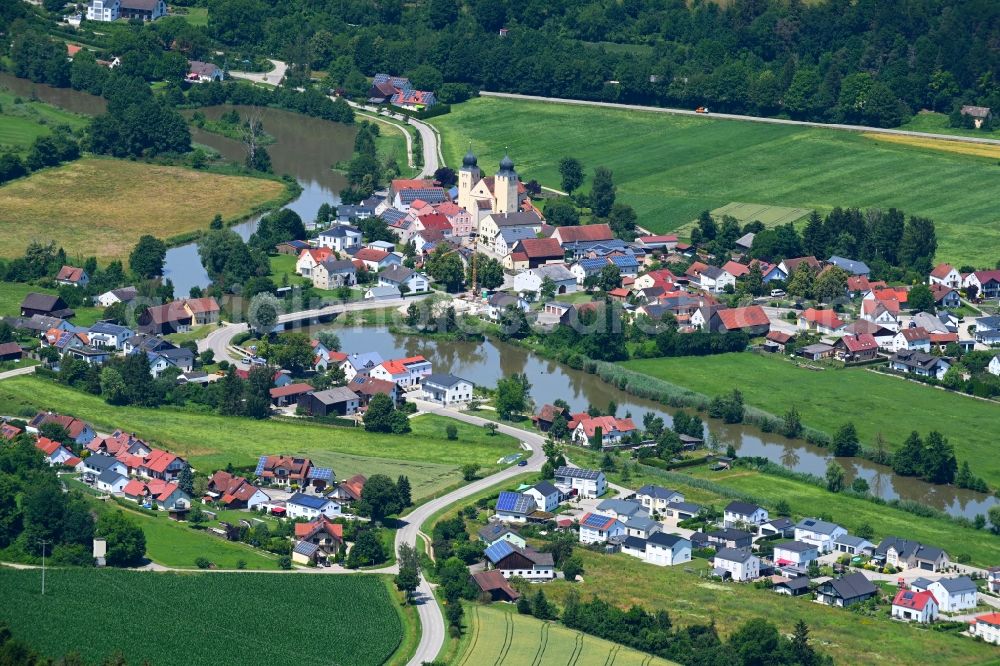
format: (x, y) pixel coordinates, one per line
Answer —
(828, 399)
(181, 619)
(689, 598)
(104, 205)
(196, 15)
(769, 216)
(937, 123)
(989, 151)
(670, 168)
(500, 636)
(21, 123)
(12, 293)
(210, 441)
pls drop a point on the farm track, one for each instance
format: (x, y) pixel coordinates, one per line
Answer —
(543, 641)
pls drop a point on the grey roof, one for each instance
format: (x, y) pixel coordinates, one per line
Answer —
(109, 328)
(657, 492)
(340, 266)
(796, 583)
(392, 216)
(516, 219)
(513, 234)
(398, 274)
(110, 476)
(545, 488)
(780, 523)
(795, 546)
(713, 272)
(494, 531)
(850, 265)
(502, 299)
(621, 507)
(341, 231)
(667, 540)
(730, 534)
(100, 462)
(746, 240)
(957, 585)
(686, 507)
(742, 508)
(818, 526)
(851, 540)
(335, 395)
(733, 555)
(852, 586)
(921, 583)
(640, 522)
(634, 543)
(818, 348)
(917, 359)
(442, 379)
(557, 272)
(387, 290)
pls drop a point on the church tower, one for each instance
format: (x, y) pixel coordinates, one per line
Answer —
(468, 176)
(505, 187)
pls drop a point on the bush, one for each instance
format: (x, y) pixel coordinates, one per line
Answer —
(285, 562)
(202, 563)
(451, 431)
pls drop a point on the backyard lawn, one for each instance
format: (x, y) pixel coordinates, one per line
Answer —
(670, 168)
(171, 619)
(827, 399)
(129, 199)
(211, 441)
(690, 597)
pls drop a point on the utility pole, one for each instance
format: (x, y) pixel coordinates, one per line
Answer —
(44, 543)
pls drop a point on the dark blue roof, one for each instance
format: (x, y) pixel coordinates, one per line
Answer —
(429, 194)
(515, 502)
(579, 473)
(665, 540)
(498, 551)
(324, 473)
(260, 465)
(305, 548)
(308, 500)
(624, 261)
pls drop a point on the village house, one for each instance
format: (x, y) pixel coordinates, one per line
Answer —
(985, 284)
(792, 587)
(367, 387)
(301, 505)
(79, 431)
(349, 490)
(164, 495)
(777, 341)
(621, 509)
(597, 528)
(336, 401)
(515, 507)
(612, 430)
(340, 237)
(203, 72)
(106, 334)
(360, 364)
(919, 363)
(986, 627)
(531, 281)
(659, 548)
(788, 266)
(405, 279)
(545, 494)
(317, 541)
(945, 275)
(913, 339)
(641, 525)
(96, 465)
(493, 584)
(547, 414)
(121, 295)
(446, 389)
(739, 513)
(579, 240)
(737, 564)
(819, 533)
(47, 305)
(851, 266)
(921, 607)
(752, 320)
(497, 531)
(821, 321)
(778, 526)
(523, 562)
(794, 557)
(376, 260)
(531, 252)
(856, 348)
(581, 482)
(656, 499)
(497, 304)
(853, 545)
(988, 329)
(333, 273)
(729, 537)
(235, 492)
(847, 591)
(310, 258)
(906, 554)
(946, 297)
(170, 317)
(55, 453)
(111, 481)
(955, 595)
(662, 242)
(405, 372)
(286, 471)
(72, 276)
(289, 394)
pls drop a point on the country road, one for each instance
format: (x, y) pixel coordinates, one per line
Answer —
(428, 138)
(733, 116)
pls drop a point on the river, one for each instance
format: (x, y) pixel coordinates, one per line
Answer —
(304, 148)
(484, 363)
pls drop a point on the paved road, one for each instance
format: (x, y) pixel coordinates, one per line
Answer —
(428, 138)
(18, 371)
(429, 611)
(273, 77)
(753, 119)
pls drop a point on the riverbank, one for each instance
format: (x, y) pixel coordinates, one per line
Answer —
(101, 206)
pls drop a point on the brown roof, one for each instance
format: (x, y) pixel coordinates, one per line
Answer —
(859, 342)
(290, 389)
(541, 248)
(199, 305)
(942, 270)
(587, 232)
(780, 337)
(792, 264)
(371, 386)
(7, 348)
(916, 333)
(354, 485)
(166, 313)
(488, 581)
(70, 274)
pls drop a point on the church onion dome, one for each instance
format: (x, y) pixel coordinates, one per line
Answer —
(507, 166)
(469, 161)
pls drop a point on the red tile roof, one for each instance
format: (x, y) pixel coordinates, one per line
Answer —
(7, 431)
(941, 271)
(297, 468)
(915, 334)
(671, 238)
(940, 291)
(158, 460)
(435, 222)
(47, 445)
(735, 269)
(859, 342)
(913, 600)
(371, 254)
(735, 319)
(201, 305)
(587, 232)
(827, 318)
(607, 424)
(70, 274)
(943, 338)
(306, 530)
(134, 488)
(318, 254)
(792, 264)
(603, 527)
(400, 184)
(989, 618)
(779, 337)
(290, 389)
(354, 485)
(541, 248)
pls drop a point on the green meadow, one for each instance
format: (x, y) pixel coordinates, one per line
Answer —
(670, 168)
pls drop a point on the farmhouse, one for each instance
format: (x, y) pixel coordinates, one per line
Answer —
(515, 507)
(46, 305)
(72, 276)
(317, 540)
(610, 429)
(496, 531)
(495, 585)
(285, 470)
(919, 363)
(526, 562)
(235, 492)
(856, 348)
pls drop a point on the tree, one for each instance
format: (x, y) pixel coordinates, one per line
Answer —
(408, 578)
(792, 424)
(559, 430)
(263, 312)
(511, 396)
(602, 192)
(609, 278)
(831, 285)
(446, 176)
(782, 508)
(445, 266)
(469, 471)
(908, 460)
(834, 477)
(126, 542)
(489, 272)
(859, 485)
(561, 213)
(378, 416)
(403, 491)
(845, 441)
(865, 531)
(571, 172)
(994, 515)
(491, 428)
(622, 219)
(367, 550)
(921, 299)
(938, 464)
(451, 431)
(147, 257)
(572, 567)
(540, 606)
(379, 497)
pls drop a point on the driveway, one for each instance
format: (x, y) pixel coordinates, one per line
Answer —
(273, 77)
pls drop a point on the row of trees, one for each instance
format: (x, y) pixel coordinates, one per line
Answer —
(45, 151)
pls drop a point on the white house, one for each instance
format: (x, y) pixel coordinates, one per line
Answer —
(920, 363)
(586, 482)
(96, 465)
(103, 10)
(300, 505)
(656, 498)
(912, 339)
(987, 627)
(546, 495)
(913, 606)
(521, 561)
(795, 555)
(531, 281)
(515, 507)
(818, 533)
(446, 389)
(612, 429)
(667, 549)
(123, 295)
(994, 366)
(715, 280)
(400, 276)
(954, 595)
(743, 513)
(946, 275)
(111, 481)
(404, 371)
(339, 237)
(738, 563)
(55, 453)
(595, 528)
(310, 258)
(106, 334)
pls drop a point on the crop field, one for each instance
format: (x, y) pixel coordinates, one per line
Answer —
(690, 598)
(769, 216)
(977, 149)
(210, 441)
(171, 619)
(103, 206)
(502, 637)
(670, 168)
(828, 399)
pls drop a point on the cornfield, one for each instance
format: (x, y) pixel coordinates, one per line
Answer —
(166, 619)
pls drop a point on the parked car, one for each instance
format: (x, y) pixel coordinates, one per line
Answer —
(775, 293)
(701, 109)
(522, 463)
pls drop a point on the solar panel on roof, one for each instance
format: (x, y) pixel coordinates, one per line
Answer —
(323, 473)
(260, 465)
(498, 551)
(596, 521)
